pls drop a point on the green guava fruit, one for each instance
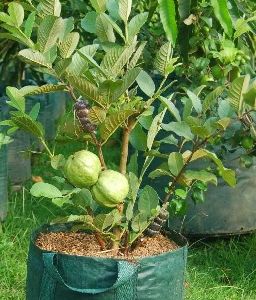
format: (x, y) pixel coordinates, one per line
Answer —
(111, 189)
(82, 169)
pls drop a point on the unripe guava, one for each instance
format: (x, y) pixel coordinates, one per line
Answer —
(82, 169)
(111, 189)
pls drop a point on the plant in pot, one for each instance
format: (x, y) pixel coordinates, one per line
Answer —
(216, 52)
(113, 245)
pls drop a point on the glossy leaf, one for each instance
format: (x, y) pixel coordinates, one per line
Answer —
(222, 14)
(175, 163)
(146, 83)
(238, 87)
(168, 17)
(179, 128)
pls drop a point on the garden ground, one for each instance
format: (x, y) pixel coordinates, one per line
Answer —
(220, 269)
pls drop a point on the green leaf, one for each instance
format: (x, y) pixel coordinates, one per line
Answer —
(32, 90)
(104, 30)
(241, 27)
(49, 8)
(184, 8)
(16, 13)
(112, 123)
(97, 115)
(175, 163)
(202, 175)
(61, 66)
(26, 123)
(68, 46)
(154, 128)
(6, 19)
(212, 98)
(34, 58)
(78, 64)
(163, 58)
(179, 128)
(16, 98)
(83, 199)
(146, 83)
(4, 139)
(58, 161)
(138, 138)
(125, 7)
(116, 58)
(135, 58)
(67, 27)
(228, 175)
(46, 190)
(222, 14)
(159, 173)
(139, 224)
(171, 107)
(128, 80)
(238, 87)
(29, 24)
(99, 5)
(135, 25)
(87, 89)
(48, 32)
(17, 35)
(35, 111)
(148, 201)
(88, 23)
(133, 164)
(60, 202)
(93, 62)
(168, 17)
(195, 101)
(250, 95)
(114, 25)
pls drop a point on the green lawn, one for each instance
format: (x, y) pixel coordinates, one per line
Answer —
(217, 270)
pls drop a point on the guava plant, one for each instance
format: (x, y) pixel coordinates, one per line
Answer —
(113, 94)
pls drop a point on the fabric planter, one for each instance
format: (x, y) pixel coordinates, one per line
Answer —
(3, 167)
(59, 99)
(226, 210)
(3, 183)
(54, 276)
(19, 162)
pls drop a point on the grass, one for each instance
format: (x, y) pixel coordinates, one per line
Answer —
(217, 269)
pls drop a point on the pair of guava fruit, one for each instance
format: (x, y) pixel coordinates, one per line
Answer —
(83, 170)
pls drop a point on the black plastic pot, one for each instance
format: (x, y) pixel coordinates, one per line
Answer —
(19, 162)
(54, 276)
(226, 210)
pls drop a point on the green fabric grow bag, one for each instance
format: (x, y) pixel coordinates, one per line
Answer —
(19, 162)
(54, 276)
(3, 183)
(3, 165)
(226, 210)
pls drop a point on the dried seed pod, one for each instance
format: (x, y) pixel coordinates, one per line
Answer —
(156, 226)
(82, 109)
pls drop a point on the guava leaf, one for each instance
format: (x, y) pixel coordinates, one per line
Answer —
(42, 189)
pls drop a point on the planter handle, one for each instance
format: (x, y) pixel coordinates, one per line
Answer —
(125, 272)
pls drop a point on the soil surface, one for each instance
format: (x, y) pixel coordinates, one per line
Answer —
(83, 244)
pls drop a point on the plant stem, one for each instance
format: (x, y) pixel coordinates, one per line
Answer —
(125, 145)
(99, 148)
(46, 147)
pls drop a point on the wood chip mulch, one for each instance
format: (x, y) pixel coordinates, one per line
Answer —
(83, 244)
